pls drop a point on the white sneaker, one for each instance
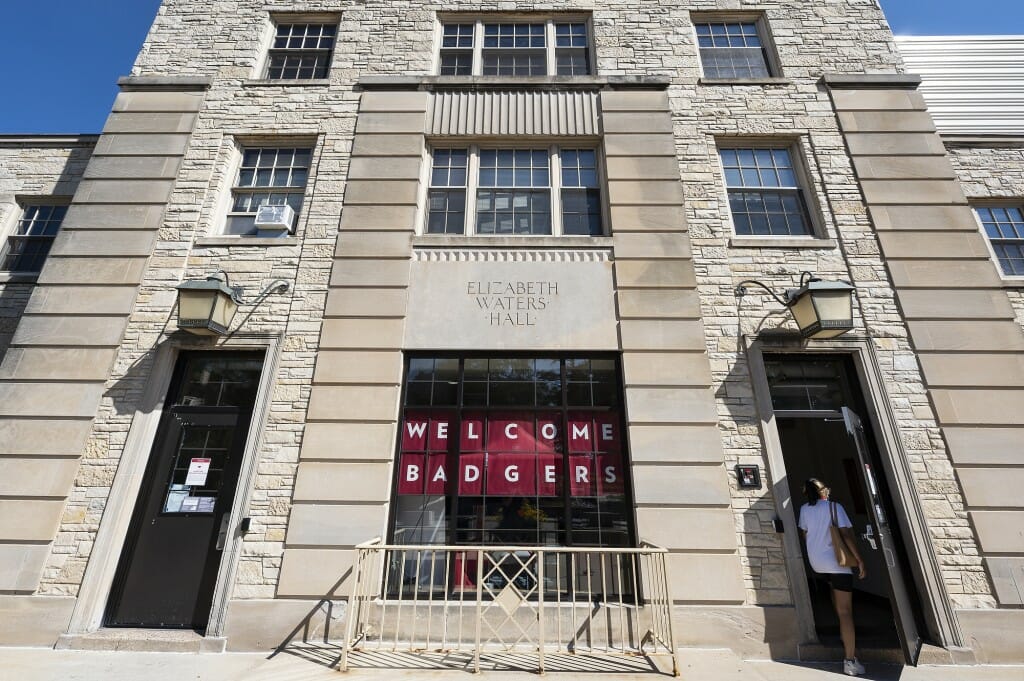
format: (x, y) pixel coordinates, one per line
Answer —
(852, 667)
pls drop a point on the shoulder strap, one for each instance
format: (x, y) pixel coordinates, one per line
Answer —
(835, 513)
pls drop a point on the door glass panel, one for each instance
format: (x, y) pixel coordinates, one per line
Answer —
(805, 385)
(198, 469)
(229, 382)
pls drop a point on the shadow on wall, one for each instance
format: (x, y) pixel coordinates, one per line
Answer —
(761, 542)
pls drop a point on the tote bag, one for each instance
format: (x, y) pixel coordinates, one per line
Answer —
(844, 556)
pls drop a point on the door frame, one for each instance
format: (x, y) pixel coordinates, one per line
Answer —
(97, 582)
(940, 618)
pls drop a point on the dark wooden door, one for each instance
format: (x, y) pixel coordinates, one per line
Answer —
(168, 569)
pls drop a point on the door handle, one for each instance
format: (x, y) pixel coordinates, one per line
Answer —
(222, 534)
(869, 537)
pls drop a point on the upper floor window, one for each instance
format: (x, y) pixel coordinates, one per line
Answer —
(1004, 227)
(301, 51)
(27, 247)
(267, 176)
(528, 191)
(539, 48)
(765, 193)
(732, 49)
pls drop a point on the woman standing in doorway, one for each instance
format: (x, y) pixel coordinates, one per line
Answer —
(815, 520)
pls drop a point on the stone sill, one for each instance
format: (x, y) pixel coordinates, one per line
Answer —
(231, 241)
(263, 82)
(131, 83)
(429, 83)
(780, 242)
(523, 242)
(18, 277)
(745, 81)
(1013, 282)
(903, 81)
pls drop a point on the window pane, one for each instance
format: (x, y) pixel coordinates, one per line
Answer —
(301, 51)
(732, 50)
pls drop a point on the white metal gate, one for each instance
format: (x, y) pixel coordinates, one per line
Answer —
(510, 599)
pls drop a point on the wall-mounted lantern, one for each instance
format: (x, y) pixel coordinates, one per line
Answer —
(207, 307)
(821, 309)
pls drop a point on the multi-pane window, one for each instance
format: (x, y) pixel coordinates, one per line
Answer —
(514, 195)
(732, 50)
(528, 191)
(447, 196)
(27, 247)
(301, 51)
(512, 450)
(764, 192)
(537, 48)
(1004, 227)
(268, 176)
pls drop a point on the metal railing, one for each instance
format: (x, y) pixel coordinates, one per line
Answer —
(491, 600)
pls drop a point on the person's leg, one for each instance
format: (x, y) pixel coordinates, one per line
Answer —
(843, 601)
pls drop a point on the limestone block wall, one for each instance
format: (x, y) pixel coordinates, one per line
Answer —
(332, 416)
(33, 167)
(680, 487)
(991, 171)
(968, 342)
(60, 357)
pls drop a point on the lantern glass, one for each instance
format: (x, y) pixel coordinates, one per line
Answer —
(804, 313)
(835, 312)
(822, 309)
(205, 310)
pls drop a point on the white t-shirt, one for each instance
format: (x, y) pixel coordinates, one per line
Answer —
(815, 520)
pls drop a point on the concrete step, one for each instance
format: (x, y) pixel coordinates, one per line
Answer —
(142, 640)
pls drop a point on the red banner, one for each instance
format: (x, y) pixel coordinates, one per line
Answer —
(511, 475)
(471, 475)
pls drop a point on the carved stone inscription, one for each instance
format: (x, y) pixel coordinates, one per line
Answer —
(512, 303)
(467, 305)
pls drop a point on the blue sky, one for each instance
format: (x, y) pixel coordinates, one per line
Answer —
(63, 57)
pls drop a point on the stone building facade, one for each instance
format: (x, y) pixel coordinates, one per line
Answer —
(933, 365)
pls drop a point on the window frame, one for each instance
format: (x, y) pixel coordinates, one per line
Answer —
(1009, 202)
(277, 19)
(563, 409)
(231, 186)
(24, 204)
(551, 49)
(555, 186)
(805, 190)
(768, 49)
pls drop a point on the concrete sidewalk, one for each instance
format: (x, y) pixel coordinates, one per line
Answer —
(314, 664)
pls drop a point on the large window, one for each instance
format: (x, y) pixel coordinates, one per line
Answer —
(539, 191)
(27, 247)
(1004, 227)
(732, 49)
(765, 195)
(267, 176)
(505, 48)
(512, 450)
(301, 51)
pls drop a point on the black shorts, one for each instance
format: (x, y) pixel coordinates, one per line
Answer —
(840, 581)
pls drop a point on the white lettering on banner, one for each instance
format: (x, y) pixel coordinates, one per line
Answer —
(512, 473)
(470, 435)
(580, 431)
(440, 475)
(412, 473)
(548, 431)
(606, 431)
(416, 429)
(470, 473)
(508, 431)
(582, 474)
(609, 474)
(549, 474)
(442, 431)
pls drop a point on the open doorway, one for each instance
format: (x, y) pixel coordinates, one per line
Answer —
(816, 400)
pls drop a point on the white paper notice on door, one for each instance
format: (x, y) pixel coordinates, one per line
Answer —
(198, 469)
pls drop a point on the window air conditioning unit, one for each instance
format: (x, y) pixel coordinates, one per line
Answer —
(272, 218)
